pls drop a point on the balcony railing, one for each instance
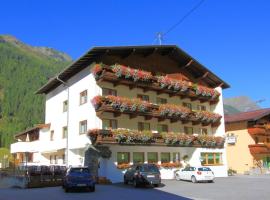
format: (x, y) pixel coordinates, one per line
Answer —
(119, 74)
(136, 107)
(259, 149)
(259, 131)
(134, 137)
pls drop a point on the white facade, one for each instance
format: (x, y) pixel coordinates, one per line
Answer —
(49, 147)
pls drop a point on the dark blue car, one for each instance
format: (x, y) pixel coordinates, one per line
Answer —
(78, 177)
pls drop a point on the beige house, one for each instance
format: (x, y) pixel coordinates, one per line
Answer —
(248, 141)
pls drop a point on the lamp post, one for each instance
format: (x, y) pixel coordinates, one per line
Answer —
(67, 144)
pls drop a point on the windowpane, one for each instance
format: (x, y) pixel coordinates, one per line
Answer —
(109, 124)
(161, 100)
(176, 157)
(83, 97)
(188, 130)
(83, 127)
(143, 126)
(152, 157)
(122, 157)
(108, 91)
(187, 105)
(162, 128)
(52, 135)
(138, 157)
(65, 106)
(65, 132)
(201, 107)
(165, 157)
(143, 97)
(203, 131)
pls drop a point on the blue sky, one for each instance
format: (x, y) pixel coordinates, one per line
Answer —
(232, 38)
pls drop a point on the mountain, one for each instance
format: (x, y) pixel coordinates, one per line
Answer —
(23, 69)
(239, 104)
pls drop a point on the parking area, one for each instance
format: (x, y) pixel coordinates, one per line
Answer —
(237, 187)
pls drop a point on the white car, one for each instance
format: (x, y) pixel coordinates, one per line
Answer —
(195, 174)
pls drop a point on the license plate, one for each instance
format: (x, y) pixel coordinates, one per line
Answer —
(150, 176)
(81, 185)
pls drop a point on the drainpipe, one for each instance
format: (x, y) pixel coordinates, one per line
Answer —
(67, 145)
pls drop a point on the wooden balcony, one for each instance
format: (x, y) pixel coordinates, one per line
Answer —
(104, 105)
(131, 137)
(256, 149)
(258, 131)
(108, 75)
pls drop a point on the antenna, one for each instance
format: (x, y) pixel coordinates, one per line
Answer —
(160, 35)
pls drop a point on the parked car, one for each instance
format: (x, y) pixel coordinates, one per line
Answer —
(142, 174)
(195, 174)
(78, 177)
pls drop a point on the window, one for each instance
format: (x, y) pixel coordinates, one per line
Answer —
(51, 159)
(165, 157)
(138, 157)
(64, 132)
(83, 127)
(187, 105)
(188, 130)
(122, 157)
(109, 124)
(203, 131)
(51, 135)
(143, 97)
(83, 97)
(161, 100)
(162, 128)
(143, 126)
(176, 157)
(65, 106)
(211, 158)
(152, 157)
(201, 107)
(108, 91)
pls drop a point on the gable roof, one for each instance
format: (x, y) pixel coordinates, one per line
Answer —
(247, 116)
(174, 51)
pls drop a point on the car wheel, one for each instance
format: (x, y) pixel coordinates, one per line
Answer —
(66, 190)
(212, 181)
(193, 179)
(92, 189)
(135, 183)
(156, 185)
(177, 177)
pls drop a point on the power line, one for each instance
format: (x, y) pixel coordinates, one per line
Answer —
(160, 35)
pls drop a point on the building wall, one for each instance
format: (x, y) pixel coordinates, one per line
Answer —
(238, 155)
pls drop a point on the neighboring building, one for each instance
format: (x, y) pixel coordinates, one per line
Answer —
(248, 141)
(165, 108)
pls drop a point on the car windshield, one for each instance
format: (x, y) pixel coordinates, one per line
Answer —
(79, 170)
(149, 168)
(205, 169)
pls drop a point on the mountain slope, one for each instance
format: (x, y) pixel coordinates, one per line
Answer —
(241, 103)
(23, 69)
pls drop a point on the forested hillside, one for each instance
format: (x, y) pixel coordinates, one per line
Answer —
(23, 69)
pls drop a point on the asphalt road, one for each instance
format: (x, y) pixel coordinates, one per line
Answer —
(238, 187)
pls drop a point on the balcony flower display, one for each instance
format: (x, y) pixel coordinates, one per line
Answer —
(206, 116)
(208, 141)
(96, 70)
(132, 74)
(205, 91)
(172, 84)
(169, 165)
(173, 111)
(178, 139)
(122, 104)
(123, 166)
(131, 137)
